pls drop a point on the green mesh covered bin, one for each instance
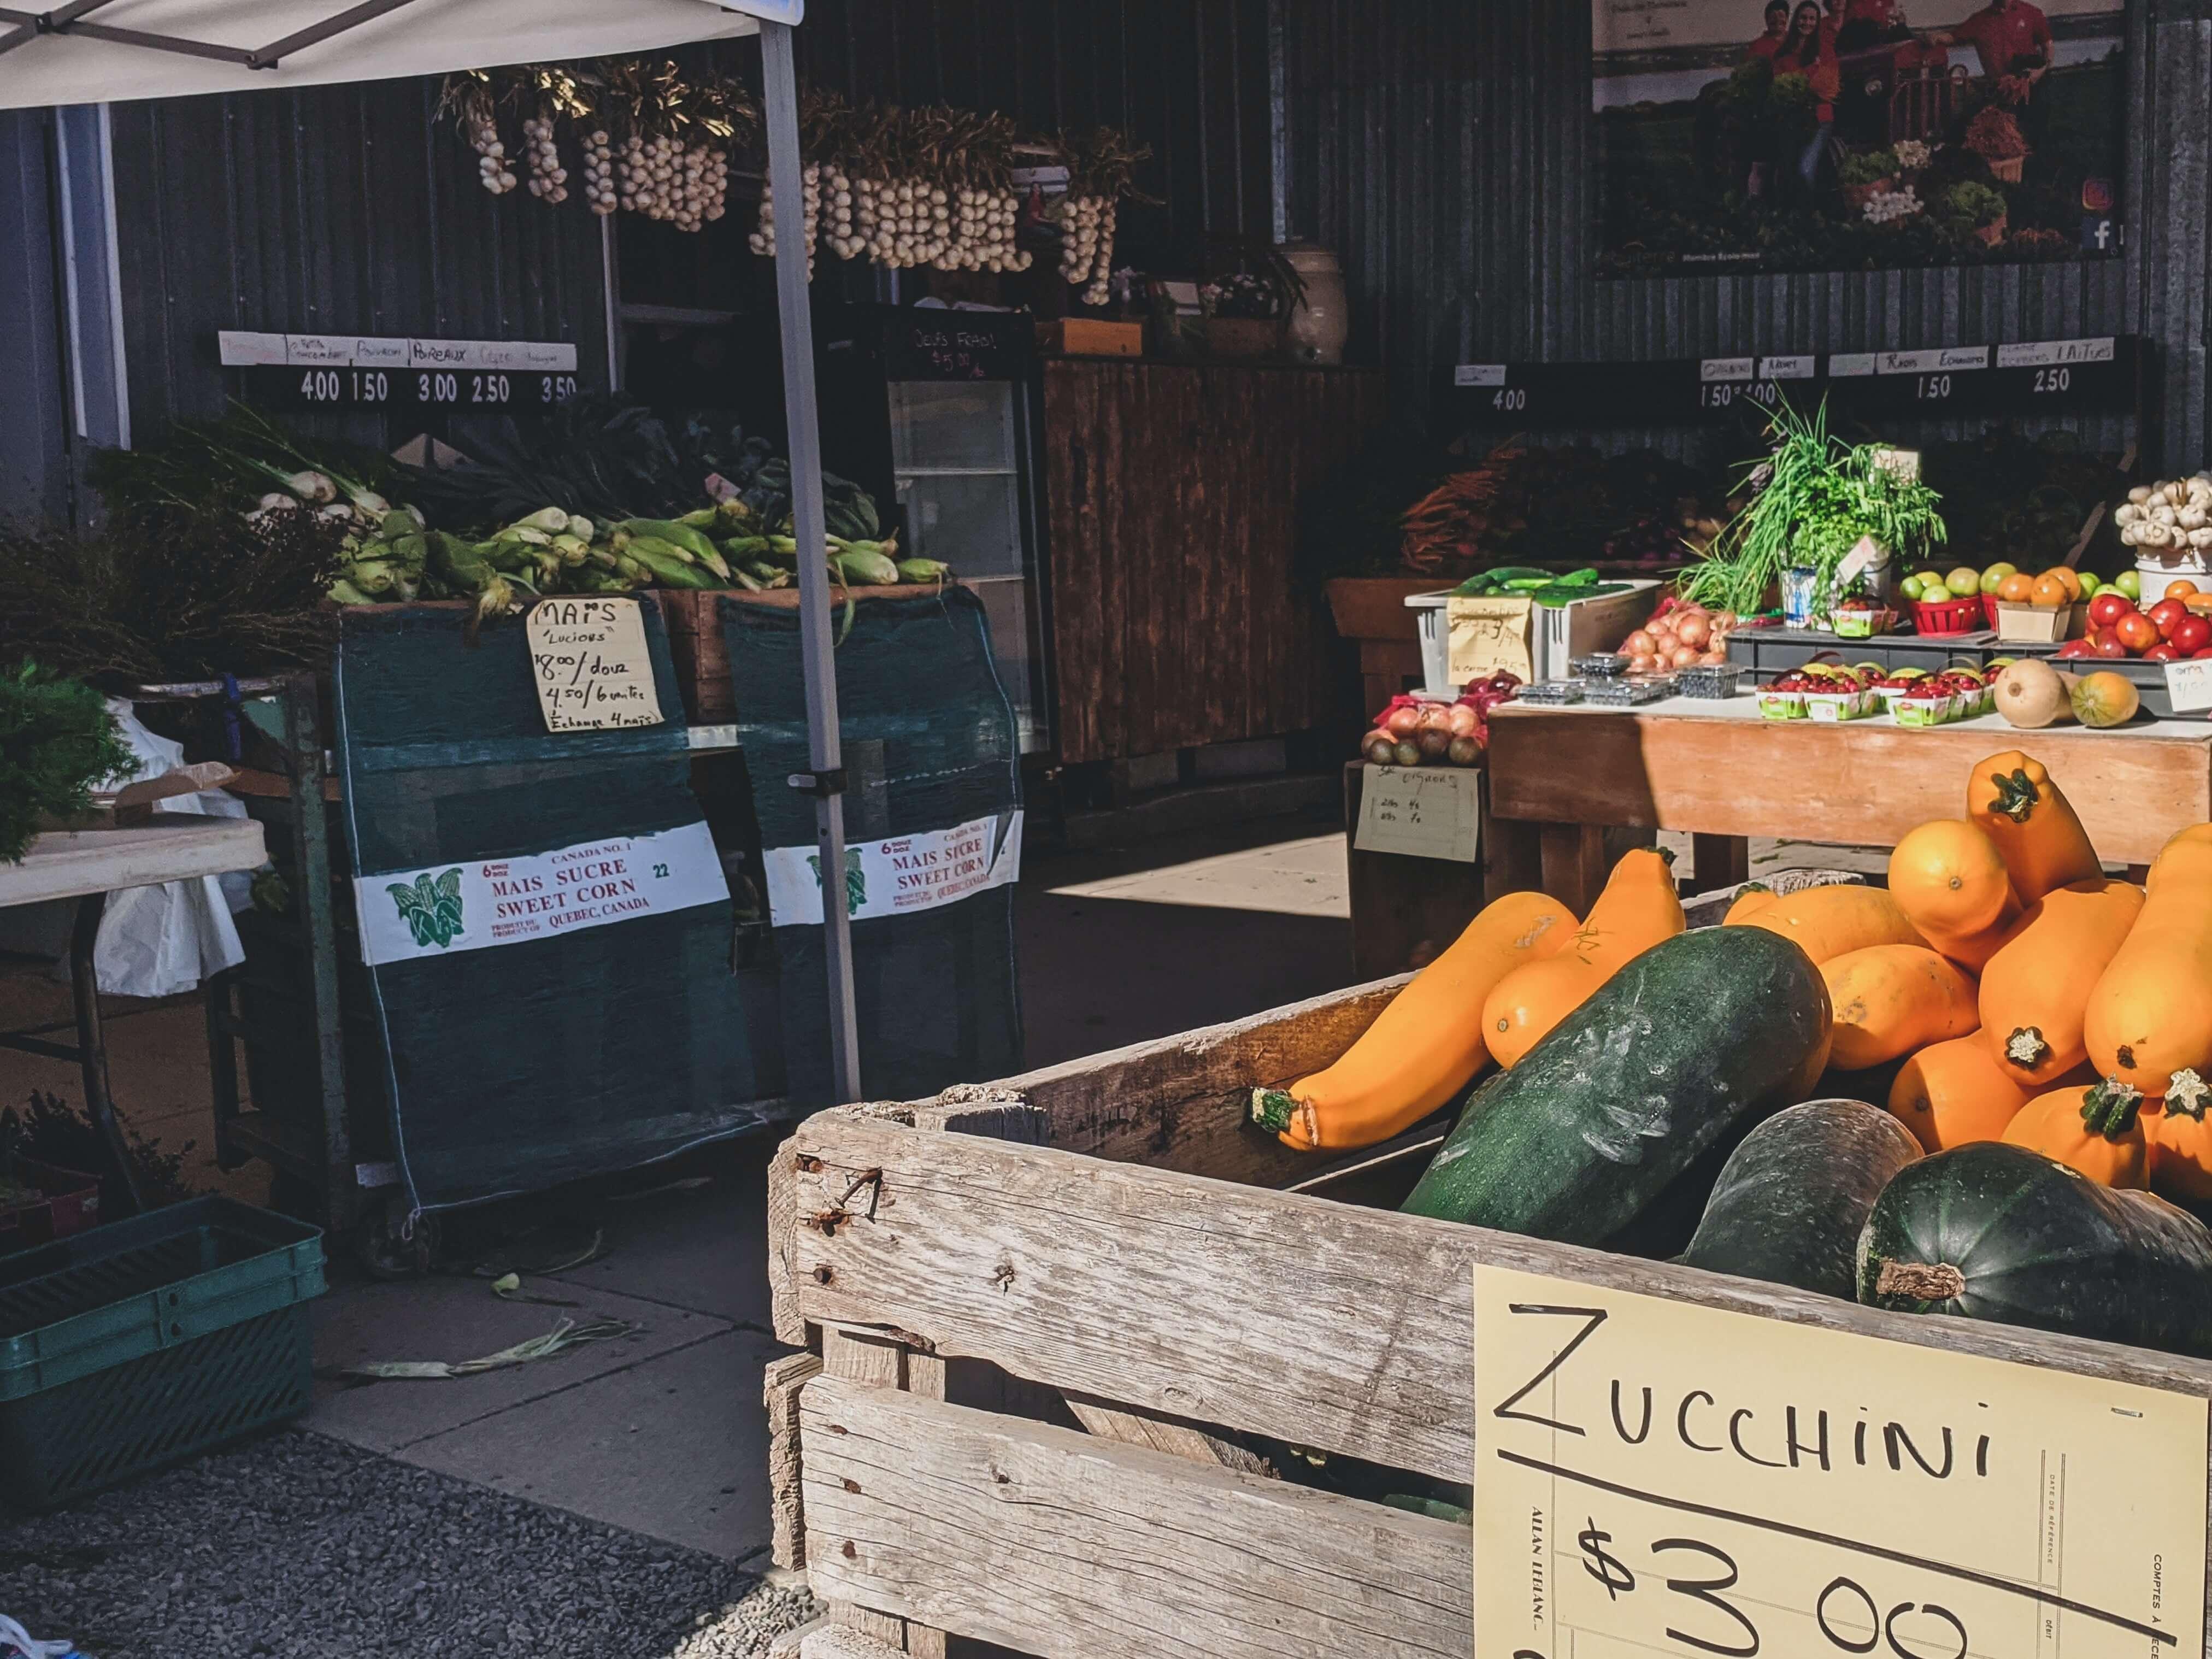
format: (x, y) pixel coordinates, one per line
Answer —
(147, 1341)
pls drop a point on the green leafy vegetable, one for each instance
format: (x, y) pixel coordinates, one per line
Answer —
(56, 741)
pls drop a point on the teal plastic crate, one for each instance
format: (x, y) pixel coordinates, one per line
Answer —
(147, 1342)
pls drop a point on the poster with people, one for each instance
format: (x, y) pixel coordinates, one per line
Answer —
(1822, 135)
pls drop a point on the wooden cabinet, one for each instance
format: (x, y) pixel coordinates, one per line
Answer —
(1172, 502)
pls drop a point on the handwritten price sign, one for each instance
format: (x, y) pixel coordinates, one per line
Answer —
(591, 664)
(1653, 1477)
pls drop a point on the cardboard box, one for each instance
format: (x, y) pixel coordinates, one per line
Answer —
(1087, 337)
(2039, 624)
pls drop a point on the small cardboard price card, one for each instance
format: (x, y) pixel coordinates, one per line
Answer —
(591, 664)
(1656, 1478)
(1485, 635)
(1422, 811)
(2190, 685)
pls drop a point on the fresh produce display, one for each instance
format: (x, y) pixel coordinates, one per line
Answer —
(1792, 1197)
(1429, 731)
(1826, 922)
(1814, 499)
(1422, 1051)
(2147, 1018)
(1525, 582)
(1680, 634)
(1999, 1232)
(2167, 632)
(2170, 517)
(1637, 909)
(1681, 1047)
(2035, 991)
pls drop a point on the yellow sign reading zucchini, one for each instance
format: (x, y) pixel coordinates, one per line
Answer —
(1653, 1477)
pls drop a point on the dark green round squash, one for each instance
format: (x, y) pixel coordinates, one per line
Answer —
(1998, 1232)
(1791, 1200)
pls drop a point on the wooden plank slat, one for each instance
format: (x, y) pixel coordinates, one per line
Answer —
(1266, 1312)
(779, 1385)
(1163, 1434)
(1048, 1542)
(1864, 785)
(1177, 1103)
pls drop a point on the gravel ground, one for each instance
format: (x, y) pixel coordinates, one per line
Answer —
(302, 1548)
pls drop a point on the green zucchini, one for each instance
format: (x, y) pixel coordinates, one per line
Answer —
(1790, 1202)
(1696, 1034)
(1989, 1230)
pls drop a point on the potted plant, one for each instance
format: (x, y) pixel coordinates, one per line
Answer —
(1249, 304)
(1867, 176)
(1821, 510)
(1995, 135)
(1977, 210)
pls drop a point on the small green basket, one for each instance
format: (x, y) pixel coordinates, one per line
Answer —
(147, 1341)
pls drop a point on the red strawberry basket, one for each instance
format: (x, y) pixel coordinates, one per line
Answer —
(1950, 616)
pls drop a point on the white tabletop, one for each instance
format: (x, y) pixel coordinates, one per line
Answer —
(71, 863)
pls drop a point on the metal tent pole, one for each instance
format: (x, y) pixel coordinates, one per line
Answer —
(779, 84)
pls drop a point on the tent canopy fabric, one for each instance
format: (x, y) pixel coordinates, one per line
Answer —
(81, 52)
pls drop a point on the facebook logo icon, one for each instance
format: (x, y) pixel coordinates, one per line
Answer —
(2097, 233)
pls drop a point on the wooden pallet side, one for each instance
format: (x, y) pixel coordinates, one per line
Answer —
(1332, 1326)
(1048, 1542)
(1178, 1102)
(780, 1388)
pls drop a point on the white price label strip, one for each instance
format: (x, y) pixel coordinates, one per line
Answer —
(2190, 685)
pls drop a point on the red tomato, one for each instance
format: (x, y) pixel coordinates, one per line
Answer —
(2137, 632)
(2197, 655)
(2108, 643)
(2162, 652)
(2107, 608)
(2165, 614)
(2191, 634)
(2074, 650)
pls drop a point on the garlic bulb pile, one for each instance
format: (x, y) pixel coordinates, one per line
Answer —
(836, 211)
(599, 173)
(1889, 204)
(1086, 248)
(492, 168)
(2172, 517)
(983, 222)
(548, 179)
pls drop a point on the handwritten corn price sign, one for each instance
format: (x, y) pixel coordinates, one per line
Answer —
(589, 661)
(1655, 1478)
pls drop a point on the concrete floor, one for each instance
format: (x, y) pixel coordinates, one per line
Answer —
(661, 1431)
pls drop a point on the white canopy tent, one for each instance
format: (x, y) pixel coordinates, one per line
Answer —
(99, 51)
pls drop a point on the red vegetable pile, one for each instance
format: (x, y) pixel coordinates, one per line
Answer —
(1429, 732)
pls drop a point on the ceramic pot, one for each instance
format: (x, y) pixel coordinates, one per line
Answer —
(1320, 322)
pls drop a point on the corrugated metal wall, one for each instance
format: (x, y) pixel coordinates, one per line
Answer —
(336, 209)
(1445, 150)
(34, 417)
(1188, 77)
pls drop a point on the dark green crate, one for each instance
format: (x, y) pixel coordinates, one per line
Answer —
(131, 1419)
(144, 1341)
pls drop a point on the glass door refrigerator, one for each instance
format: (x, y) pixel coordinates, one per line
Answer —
(936, 411)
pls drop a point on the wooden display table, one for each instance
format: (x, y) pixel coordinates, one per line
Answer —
(88, 865)
(1721, 773)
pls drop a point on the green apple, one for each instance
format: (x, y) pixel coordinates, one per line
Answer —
(2129, 582)
(2090, 585)
(1912, 587)
(1930, 584)
(1993, 578)
(1963, 582)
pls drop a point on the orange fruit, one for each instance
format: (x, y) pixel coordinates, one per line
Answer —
(2181, 588)
(2065, 573)
(2018, 589)
(2050, 591)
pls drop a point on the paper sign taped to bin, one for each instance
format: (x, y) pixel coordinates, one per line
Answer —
(591, 664)
(2190, 685)
(1421, 811)
(900, 875)
(1656, 1478)
(477, 903)
(1482, 635)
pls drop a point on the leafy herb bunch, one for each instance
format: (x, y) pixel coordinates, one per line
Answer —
(1816, 498)
(57, 740)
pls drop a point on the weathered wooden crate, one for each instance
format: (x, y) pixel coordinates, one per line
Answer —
(1037, 1307)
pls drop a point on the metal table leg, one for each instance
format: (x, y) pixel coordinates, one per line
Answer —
(92, 1047)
